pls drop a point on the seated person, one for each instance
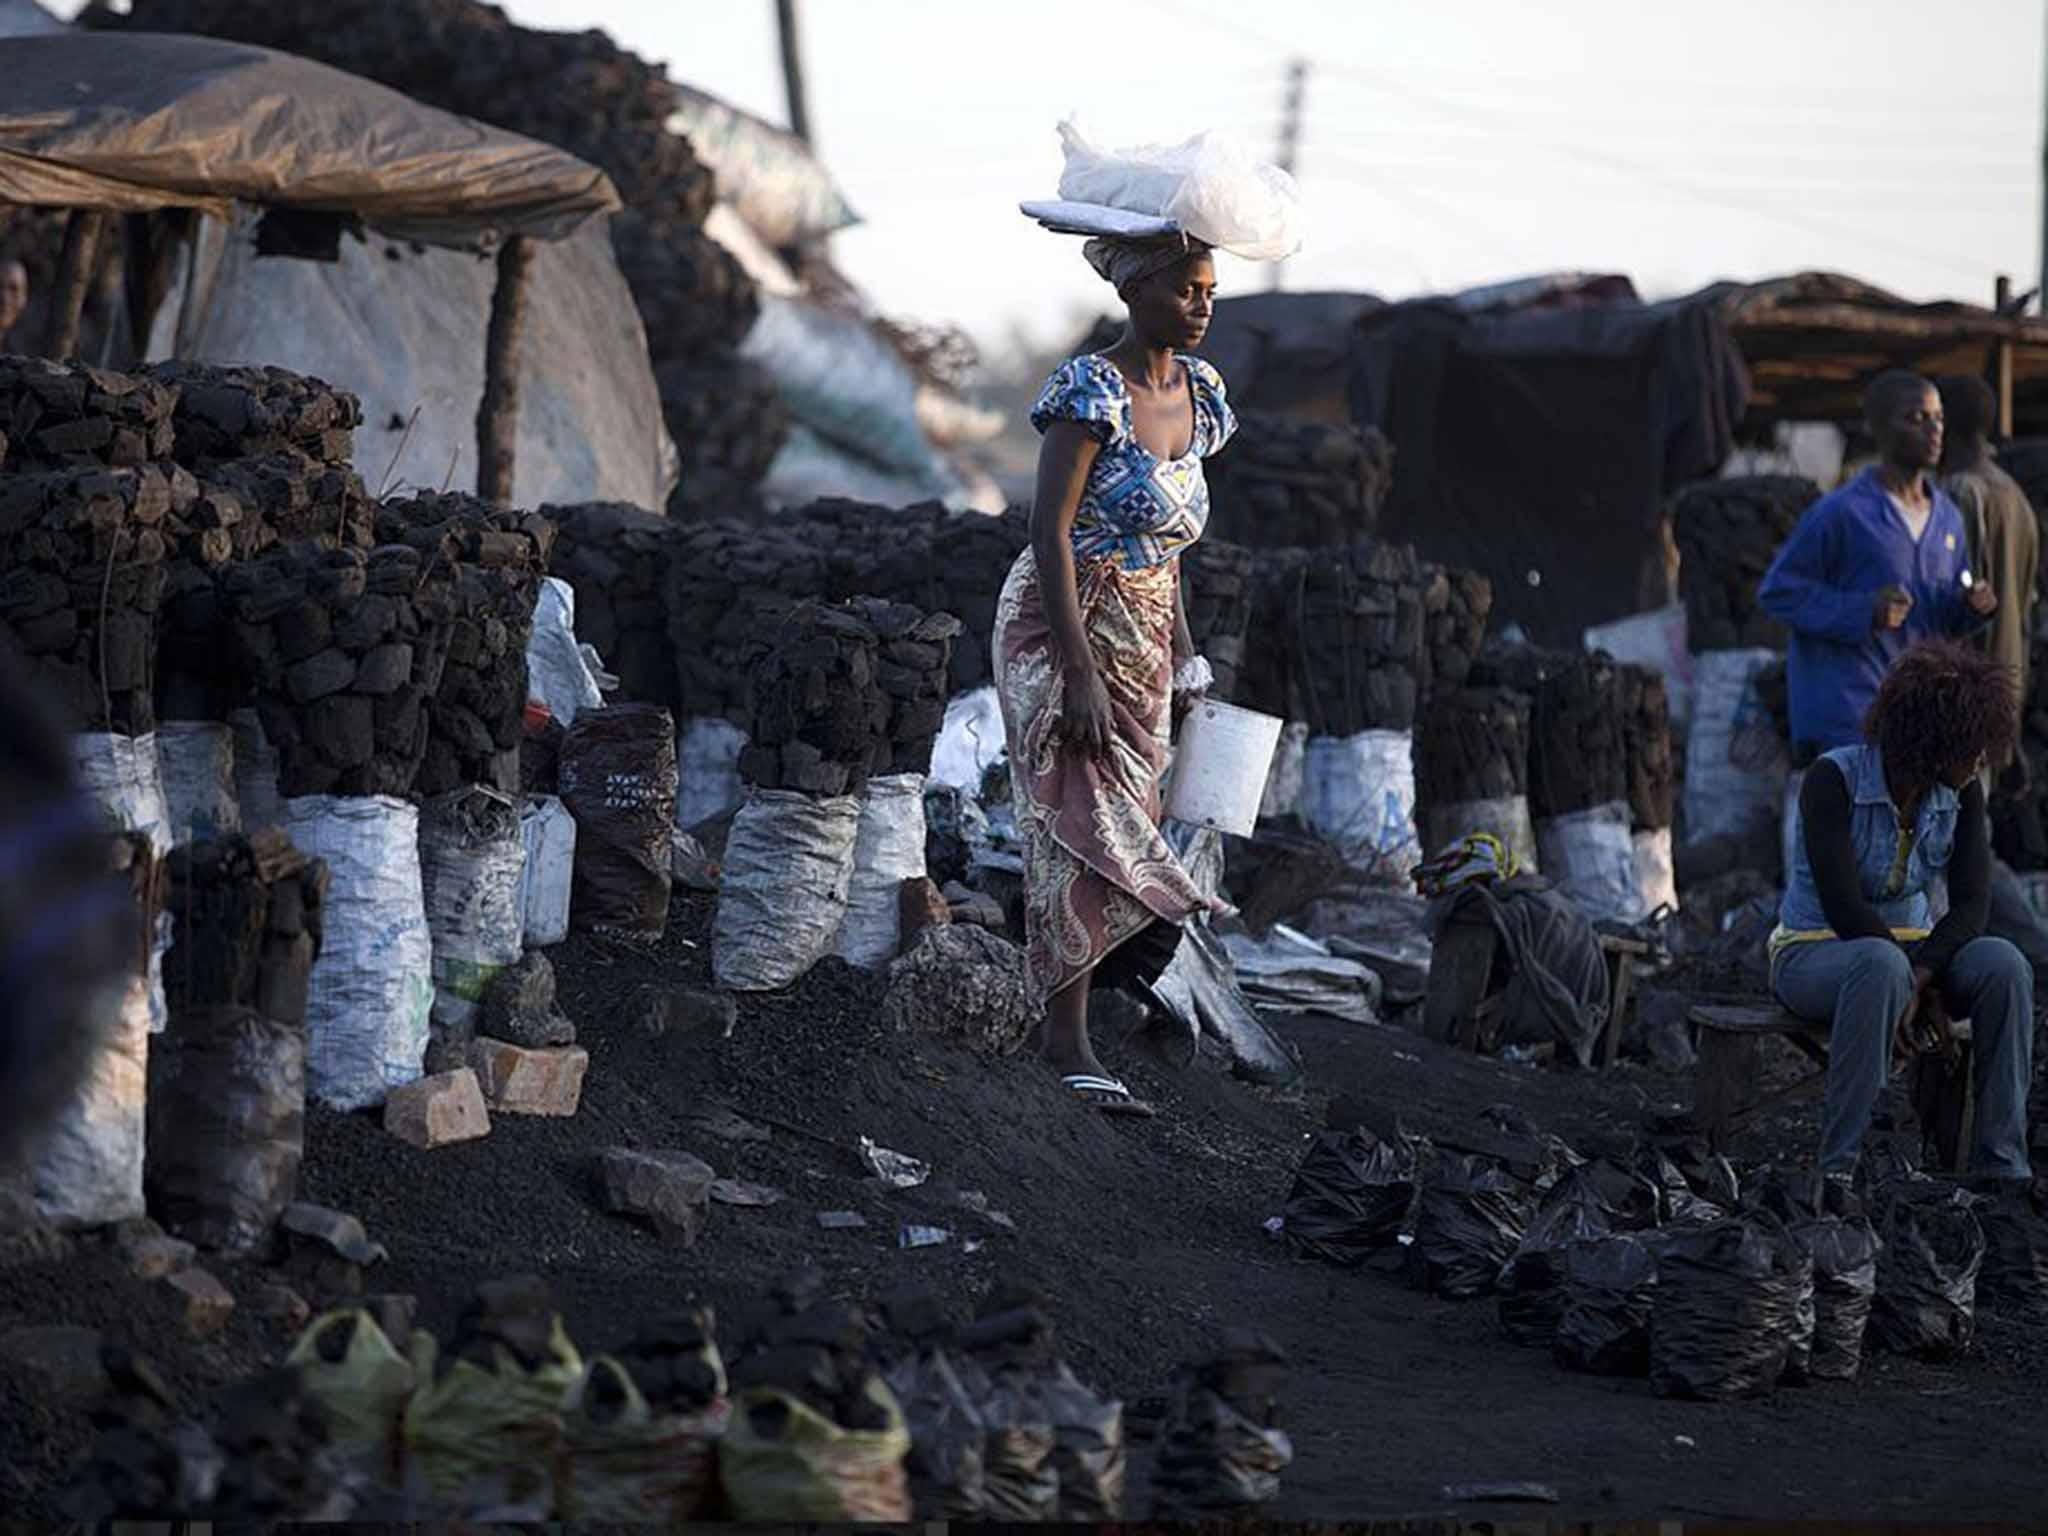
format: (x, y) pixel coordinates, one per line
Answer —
(1877, 822)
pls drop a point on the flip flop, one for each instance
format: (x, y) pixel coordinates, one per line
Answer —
(1107, 1095)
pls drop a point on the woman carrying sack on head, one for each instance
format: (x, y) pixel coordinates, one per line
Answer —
(1091, 642)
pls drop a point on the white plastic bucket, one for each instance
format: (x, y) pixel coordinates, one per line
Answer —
(1220, 767)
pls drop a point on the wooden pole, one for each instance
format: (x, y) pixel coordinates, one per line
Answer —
(74, 278)
(497, 417)
(793, 69)
(2001, 300)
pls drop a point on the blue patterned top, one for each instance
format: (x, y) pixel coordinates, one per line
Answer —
(1137, 508)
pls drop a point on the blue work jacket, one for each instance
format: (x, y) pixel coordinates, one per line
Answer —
(1849, 546)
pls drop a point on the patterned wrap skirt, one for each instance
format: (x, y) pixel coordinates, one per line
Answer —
(1097, 872)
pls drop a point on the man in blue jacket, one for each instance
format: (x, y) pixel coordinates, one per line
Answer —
(1872, 568)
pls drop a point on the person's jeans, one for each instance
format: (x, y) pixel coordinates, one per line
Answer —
(1861, 987)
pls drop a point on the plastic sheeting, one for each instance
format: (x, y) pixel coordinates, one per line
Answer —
(131, 122)
(372, 988)
(769, 175)
(970, 741)
(1358, 795)
(708, 770)
(124, 777)
(1557, 978)
(1199, 988)
(88, 1168)
(1590, 855)
(843, 381)
(782, 893)
(1289, 972)
(404, 331)
(1723, 796)
(556, 673)
(888, 849)
(1656, 873)
(472, 854)
(547, 875)
(1656, 639)
(1283, 778)
(197, 759)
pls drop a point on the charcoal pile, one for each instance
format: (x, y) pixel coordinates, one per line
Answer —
(821, 709)
(1473, 745)
(970, 560)
(1283, 481)
(1728, 533)
(1354, 620)
(1217, 580)
(83, 558)
(224, 413)
(1578, 756)
(248, 913)
(345, 649)
(728, 587)
(1268, 679)
(295, 498)
(695, 299)
(912, 666)
(67, 416)
(616, 557)
(1456, 604)
(886, 551)
(1646, 739)
(1222, 1449)
(728, 422)
(495, 558)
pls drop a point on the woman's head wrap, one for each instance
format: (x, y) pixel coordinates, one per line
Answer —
(1122, 261)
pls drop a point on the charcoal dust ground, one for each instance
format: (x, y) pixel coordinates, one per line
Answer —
(1148, 1237)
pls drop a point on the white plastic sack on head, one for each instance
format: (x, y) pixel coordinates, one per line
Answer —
(1283, 779)
(1654, 639)
(888, 850)
(1723, 797)
(124, 777)
(556, 674)
(1210, 185)
(970, 740)
(1590, 855)
(1656, 874)
(782, 898)
(1506, 819)
(256, 796)
(708, 784)
(547, 874)
(88, 1167)
(197, 758)
(373, 987)
(1358, 795)
(472, 854)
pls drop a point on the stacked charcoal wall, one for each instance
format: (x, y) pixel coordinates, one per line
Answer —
(1578, 755)
(1728, 532)
(1456, 605)
(1473, 745)
(345, 649)
(248, 913)
(820, 714)
(1217, 582)
(728, 421)
(577, 90)
(729, 587)
(1646, 740)
(1284, 482)
(1354, 618)
(914, 652)
(494, 558)
(617, 558)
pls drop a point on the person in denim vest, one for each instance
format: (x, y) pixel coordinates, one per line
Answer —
(1878, 823)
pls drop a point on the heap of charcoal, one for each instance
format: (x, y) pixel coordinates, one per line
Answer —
(674, 1361)
(971, 559)
(67, 416)
(516, 1315)
(1456, 604)
(818, 1351)
(1728, 533)
(196, 674)
(1646, 738)
(1283, 482)
(616, 557)
(864, 548)
(1219, 1452)
(1352, 618)
(344, 649)
(1578, 756)
(1473, 745)
(913, 663)
(81, 584)
(225, 413)
(248, 928)
(1268, 679)
(821, 718)
(495, 558)
(729, 586)
(728, 422)
(1216, 580)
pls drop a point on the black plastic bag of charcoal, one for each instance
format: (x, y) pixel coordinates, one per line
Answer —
(1088, 1448)
(948, 1439)
(227, 1125)
(1469, 1219)
(1591, 1201)
(1684, 1201)
(1222, 1449)
(1730, 1301)
(1603, 1326)
(1007, 1351)
(2014, 1278)
(1827, 1220)
(618, 778)
(1927, 1273)
(1350, 1196)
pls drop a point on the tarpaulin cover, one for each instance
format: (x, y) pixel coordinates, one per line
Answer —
(143, 121)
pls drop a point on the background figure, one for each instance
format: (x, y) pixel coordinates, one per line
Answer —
(13, 303)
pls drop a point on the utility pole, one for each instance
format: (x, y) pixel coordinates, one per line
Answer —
(792, 69)
(1290, 137)
(2044, 173)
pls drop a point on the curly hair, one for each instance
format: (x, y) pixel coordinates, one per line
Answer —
(1942, 709)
